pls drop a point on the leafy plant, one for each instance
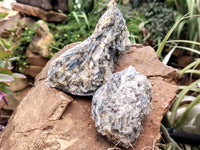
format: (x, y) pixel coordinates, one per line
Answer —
(80, 25)
(66, 33)
(2, 15)
(165, 40)
(6, 75)
(81, 5)
(137, 3)
(159, 17)
(188, 29)
(22, 41)
(135, 21)
(185, 119)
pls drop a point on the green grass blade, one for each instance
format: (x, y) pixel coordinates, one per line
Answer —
(190, 5)
(76, 17)
(167, 57)
(198, 25)
(195, 89)
(189, 66)
(70, 5)
(189, 49)
(193, 71)
(5, 45)
(195, 37)
(179, 99)
(132, 38)
(86, 20)
(164, 41)
(161, 46)
(197, 123)
(184, 115)
(180, 28)
(183, 41)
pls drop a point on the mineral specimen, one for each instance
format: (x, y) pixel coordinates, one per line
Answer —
(84, 68)
(120, 105)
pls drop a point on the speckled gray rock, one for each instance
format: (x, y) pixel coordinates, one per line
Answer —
(84, 68)
(120, 105)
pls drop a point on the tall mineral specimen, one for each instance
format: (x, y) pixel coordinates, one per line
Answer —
(120, 105)
(84, 68)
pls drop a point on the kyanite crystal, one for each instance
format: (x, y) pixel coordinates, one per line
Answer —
(120, 106)
(84, 68)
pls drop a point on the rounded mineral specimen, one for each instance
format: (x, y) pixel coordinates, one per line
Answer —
(120, 105)
(84, 68)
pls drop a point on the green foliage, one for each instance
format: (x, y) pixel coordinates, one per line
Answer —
(81, 5)
(178, 101)
(22, 41)
(100, 6)
(181, 6)
(189, 118)
(134, 26)
(174, 42)
(155, 17)
(80, 25)
(137, 3)
(191, 67)
(6, 75)
(148, 22)
(188, 69)
(66, 33)
(188, 29)
(159, 17)
(2, 15)
(78, 28)
(134, 22)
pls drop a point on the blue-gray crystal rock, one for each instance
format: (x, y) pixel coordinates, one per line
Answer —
(120, 106)
(84, 68)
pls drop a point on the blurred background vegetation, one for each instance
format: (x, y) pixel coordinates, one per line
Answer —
(172, 27)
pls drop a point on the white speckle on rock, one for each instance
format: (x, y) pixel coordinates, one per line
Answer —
(120, 106)
(84, 68)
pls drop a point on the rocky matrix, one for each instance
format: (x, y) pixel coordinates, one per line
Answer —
(84, 68)
(120, 105)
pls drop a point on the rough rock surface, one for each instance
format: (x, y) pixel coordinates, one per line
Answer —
(120, 106)
(47, 4)
(8, 23)
(27, 21)
(41, 39)
(37, 62)
(36, 59)
(19, 84)
(29, 126)
(33, 70)
(84, 68)
(40, 13)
